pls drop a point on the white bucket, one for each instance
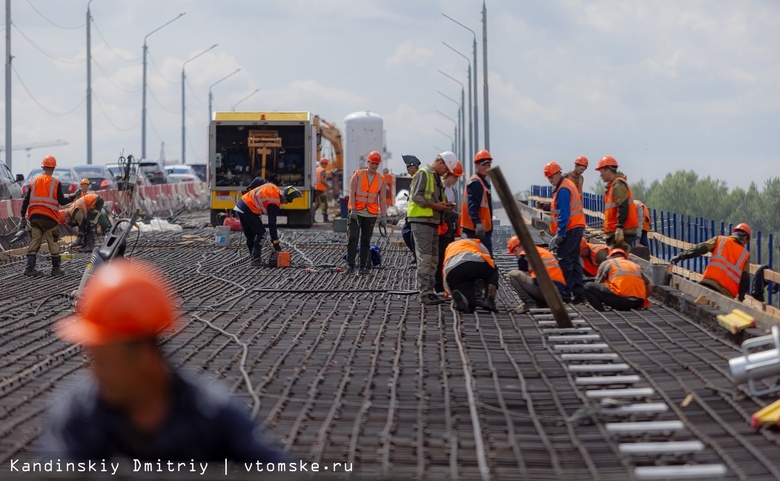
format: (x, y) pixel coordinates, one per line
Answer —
(222, 236)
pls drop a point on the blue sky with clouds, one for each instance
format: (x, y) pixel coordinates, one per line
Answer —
(660, 85)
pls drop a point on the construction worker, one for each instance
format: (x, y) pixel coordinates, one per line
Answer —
(449, 229)
(620, 284)
(41, 204)
(366, 208)
(523, 279)
(136, 404)
(321, 189)
(465, 262)
(575, 175)
(83, 213)
(412, 166)
(728, 270)
(264, 200)
(426, 207)
(643, 216)
(82, 191)
(567, 226)
(620, 219)
(476, 215)
(389, 186)
(592, 256)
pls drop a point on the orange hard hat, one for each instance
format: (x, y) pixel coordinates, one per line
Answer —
(742, 227)
(618, 251)
(324, 160)
(374, 157)
(121, 302)
(584, 247)
(62, 216)
(581, 160)
(49, 162)
(85, 181)
(482, 156)
(607, 161)
(512, 243)
(457, 171)
(552, 168)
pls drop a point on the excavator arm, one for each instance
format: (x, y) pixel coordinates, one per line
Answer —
(332, 134)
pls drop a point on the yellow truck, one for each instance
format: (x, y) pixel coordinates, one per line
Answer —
(280, 147)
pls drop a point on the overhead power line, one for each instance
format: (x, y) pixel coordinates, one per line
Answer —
(110, 48)
(59, 114)
(48, 54)
(51, 21)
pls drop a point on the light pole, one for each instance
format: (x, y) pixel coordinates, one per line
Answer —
(143, 83)
(183, 105)
(458, 125)
(485, 76)
(471, 128)
(233, 108)
(211, 97)
(462, 101)
(89, 87)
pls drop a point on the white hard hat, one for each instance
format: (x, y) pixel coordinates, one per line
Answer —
(450, 160)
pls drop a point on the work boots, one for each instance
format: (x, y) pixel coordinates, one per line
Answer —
(489, 301)
(325, 217)
(256, 259)
(55, 267)
(30, 269)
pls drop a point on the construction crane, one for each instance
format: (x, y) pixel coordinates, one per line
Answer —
(331, 133)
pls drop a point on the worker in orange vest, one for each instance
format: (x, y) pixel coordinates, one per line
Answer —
(264, 200)
(321, 189)
(83, 190)
(592, 256)
(620, 220)
(728, 270)
(467, 261)
(389, 186)
(643, 216)
(620, 284)
(575, 175)
(476, 214)
(366, 208)
(41, 204)
(449, 229)
(84, 214)
(523, 279)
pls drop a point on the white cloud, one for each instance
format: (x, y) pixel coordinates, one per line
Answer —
(409, 53)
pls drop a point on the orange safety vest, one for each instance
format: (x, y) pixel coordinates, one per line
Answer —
(550, 264)
(642, 212)
(625, 280)
(43, 197)
(589, 263)
(611, 209)
(85, 204)
(484, 208)
(576, 217)
(389, 198)
(367, 196)
(259, 198)
(727, 263)
(320, 174)
(465, 250)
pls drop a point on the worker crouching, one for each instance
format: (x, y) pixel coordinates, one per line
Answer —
(620, 284)
(467, 261)
(523, 279)
(84, 213)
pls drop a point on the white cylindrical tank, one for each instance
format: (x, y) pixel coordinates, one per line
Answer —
(363, 133)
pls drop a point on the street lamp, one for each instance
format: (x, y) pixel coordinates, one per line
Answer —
(462, 101)
(233, 108)
(458, 126)
(476, 115)
(211, 97)
(143, 108)
(183, 105)
(471, 130)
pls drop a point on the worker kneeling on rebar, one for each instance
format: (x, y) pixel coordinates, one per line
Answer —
(620, 284)
(83, 213)
(136, 405)
(524, 278)
(467, 261)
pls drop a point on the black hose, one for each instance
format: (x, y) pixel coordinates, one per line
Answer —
(335, 291)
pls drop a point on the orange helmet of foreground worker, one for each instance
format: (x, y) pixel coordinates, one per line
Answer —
(482, 156)
(49, 162)
(121, 302)
(551, 169)
(618, 252)
(742, 227)
(512, 243)
(607, 161)
(324, 161)
(374, 157)
(581, 160)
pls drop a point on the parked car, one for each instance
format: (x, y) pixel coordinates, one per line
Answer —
(98, 176)
(154, 171)
(201, 170)
(66, 175)
(116, 174)
(182, 173)
(9, 187)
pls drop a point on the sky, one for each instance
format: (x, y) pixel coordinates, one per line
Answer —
(660, 85)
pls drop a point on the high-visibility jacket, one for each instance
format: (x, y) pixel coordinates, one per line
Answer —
(43, 197)
(642, 215)
(321, 176)
(727, 263)
(389, 180)
(367, 195)
(576, 215)
(589, 263)
(611, 209)
(550, 264)
(485, 217)
(85, 204)
(415, 210)
(259, 198)
(465, 250)
(625, 279)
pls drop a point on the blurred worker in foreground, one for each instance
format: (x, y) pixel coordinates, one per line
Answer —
(575, 175)
(643, 217)
(592, 256)
(264, 200)
(728, 270)
(389, 186)
(426, 208)
(84, 213)
(465, 262)
(524, 278)
(412, 166)
(366, 208)
(41, 204)
(449, 229)
(568, 223)
(620, 284)
(136, 404)
(476, 215)
(620, 220)
(83, 190)
(321, 189)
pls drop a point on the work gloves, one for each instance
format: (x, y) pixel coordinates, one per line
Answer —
(382, 222)
(619, 236)
(555, 242)
(277, 245)
(23, 223)
(480, 231)
(353, 215)
(674, 260)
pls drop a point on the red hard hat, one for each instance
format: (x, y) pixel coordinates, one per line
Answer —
(552, 168)
(374, 157)
(513, 242)
(49, 162)
(581, 160)
(121, 302)
(618, 251)
(482, 156)
(742, 227)
(607, 161)
(324, 160)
